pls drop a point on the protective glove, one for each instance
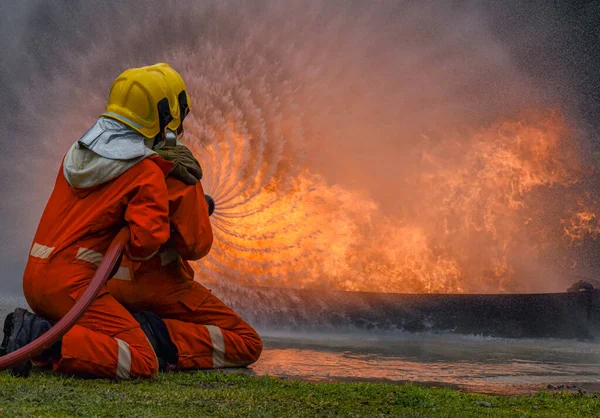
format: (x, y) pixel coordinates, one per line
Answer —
(186, 168)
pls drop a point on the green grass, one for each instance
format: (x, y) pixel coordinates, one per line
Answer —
(217, 394)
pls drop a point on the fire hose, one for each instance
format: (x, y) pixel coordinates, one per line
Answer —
(102, 275)
(66, 323)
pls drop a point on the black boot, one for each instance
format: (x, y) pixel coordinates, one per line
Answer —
(158, 335)
(8, 326)
(20, 328)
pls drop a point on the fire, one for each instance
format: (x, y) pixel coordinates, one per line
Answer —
(484, 209)
(584, 222)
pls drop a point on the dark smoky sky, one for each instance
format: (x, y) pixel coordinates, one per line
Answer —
(555, 44)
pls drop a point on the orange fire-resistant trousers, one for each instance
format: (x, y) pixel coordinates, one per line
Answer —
(207, 333)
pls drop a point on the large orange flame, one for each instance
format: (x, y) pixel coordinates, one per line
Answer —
(481, 209)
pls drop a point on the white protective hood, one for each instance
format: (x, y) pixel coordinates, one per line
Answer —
(103, 153)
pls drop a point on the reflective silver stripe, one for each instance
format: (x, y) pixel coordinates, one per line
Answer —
(41, 251)
(124, 360)
(216, 338)
(95, 258)
(90, 256)
(123, 119)
(122, 274)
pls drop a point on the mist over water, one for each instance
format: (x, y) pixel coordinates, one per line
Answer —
(385, 146)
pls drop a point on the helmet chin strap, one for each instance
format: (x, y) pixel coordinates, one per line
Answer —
(149, 142)
(171, 140)
(158, 142)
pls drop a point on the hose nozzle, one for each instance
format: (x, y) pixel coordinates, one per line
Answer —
(211, 204)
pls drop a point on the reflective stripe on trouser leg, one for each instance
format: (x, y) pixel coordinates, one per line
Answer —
(218, 343)
(124, 360)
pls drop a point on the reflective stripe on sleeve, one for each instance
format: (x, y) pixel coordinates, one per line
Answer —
(124, 360)
(216, 338)
(90, 256)
(95, 258)
(41, 251)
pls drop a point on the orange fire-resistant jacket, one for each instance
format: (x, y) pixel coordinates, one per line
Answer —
(191, 236)
(78, 224)
(190, 224)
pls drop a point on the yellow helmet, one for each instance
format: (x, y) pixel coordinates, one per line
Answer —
(177, 85)
(142, 99)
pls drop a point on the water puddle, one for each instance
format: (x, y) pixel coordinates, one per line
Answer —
(468, 362)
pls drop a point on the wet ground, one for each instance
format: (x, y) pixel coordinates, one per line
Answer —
(473, 363)
(481, 364)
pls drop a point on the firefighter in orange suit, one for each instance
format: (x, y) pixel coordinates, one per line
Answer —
(109, 178)
(205, 333)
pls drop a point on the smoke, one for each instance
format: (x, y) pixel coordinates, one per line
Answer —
(344, 140)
